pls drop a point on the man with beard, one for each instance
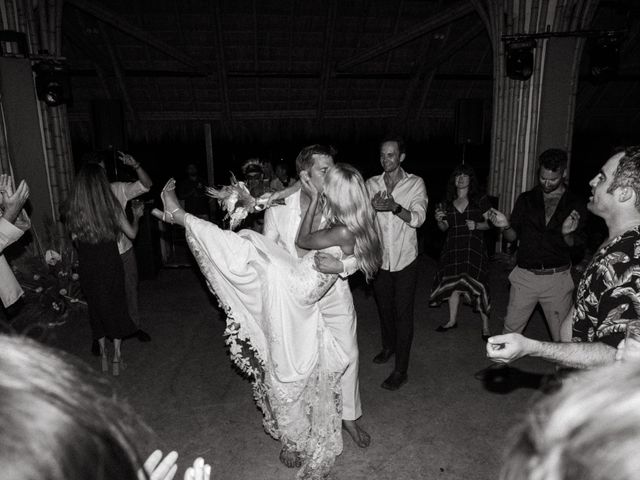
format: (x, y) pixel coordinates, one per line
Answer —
(608, 292)
(547, 221)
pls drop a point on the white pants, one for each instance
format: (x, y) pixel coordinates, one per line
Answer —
(339, 316)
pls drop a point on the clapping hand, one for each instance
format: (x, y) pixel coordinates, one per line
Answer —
(383, 202)
(471, 224)
(199, 471)
(160, 470)
(12, 201)
(127, 159)
(570, 223)
(440, 214)
(498, 218)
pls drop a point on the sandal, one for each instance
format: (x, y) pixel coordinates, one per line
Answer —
(167, 216)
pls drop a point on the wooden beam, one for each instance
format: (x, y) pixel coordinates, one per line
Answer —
(428, 69)
(107, 16)
(222, 69)
(327, 49)
(267, 115)
(446, 16)
(117, 70)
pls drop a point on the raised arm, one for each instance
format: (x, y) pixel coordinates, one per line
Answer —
(143, 176)
(319, 239)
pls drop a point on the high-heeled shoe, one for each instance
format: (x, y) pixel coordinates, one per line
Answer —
(118, 365)
(167, 215)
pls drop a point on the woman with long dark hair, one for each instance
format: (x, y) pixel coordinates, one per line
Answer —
(463, 268)
(95, 219)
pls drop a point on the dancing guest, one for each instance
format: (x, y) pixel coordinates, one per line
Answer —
(281, 179)
(59, 421)
(400, 199)
(191, 190)
(464, 263)
(95, 220)
(337, 309)
(124, 192)
(277, 333)
(607, 294)
(13, 223)
(588, 430)
(548, 221)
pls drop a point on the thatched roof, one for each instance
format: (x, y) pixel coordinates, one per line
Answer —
(275, 70)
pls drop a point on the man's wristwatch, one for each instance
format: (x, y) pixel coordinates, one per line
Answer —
(397, 210)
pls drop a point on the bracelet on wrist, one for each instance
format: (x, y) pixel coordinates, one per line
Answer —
(397, 210)
(506, 228)
(136, 166)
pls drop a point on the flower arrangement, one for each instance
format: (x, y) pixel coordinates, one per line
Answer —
(50, 281)
(238, 202)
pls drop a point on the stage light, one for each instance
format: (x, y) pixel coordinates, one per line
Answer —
(519, 59)
(52, 83)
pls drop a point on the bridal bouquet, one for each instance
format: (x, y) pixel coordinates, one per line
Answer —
(238, 202)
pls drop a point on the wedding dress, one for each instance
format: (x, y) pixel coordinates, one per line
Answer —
(277, 337)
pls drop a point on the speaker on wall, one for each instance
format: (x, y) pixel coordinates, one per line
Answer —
(108, 125)
(469, 121)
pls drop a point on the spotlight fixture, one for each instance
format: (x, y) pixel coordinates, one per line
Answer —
(519, 59)
(52, 83)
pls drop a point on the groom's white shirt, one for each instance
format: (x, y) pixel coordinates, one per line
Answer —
(281, 225)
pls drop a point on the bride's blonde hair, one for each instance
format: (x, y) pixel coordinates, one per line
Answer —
(347, 202)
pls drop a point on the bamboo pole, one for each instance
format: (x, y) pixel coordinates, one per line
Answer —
(51, 25)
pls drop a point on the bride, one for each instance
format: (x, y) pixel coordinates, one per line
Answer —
(275, 331)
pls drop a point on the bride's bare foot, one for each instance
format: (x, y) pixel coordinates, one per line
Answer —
(290, 458)
(359, 436)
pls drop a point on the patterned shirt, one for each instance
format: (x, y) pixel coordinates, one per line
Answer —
(608, 295)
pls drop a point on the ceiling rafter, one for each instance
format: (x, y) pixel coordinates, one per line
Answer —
(428, 69)
(222, 68)
(440, 19)
(115, 20)
(117, 71)
(387, 64)
(327, 51)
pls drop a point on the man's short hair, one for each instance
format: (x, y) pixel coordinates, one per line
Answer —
(304, 160)
(627, 175)
(399, 141)
(553, 159)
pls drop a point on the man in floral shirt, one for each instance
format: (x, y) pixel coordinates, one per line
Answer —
(608, 295)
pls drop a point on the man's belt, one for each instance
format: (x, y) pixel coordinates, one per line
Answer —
(547, 271)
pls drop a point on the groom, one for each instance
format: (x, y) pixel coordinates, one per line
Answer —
(281, 225)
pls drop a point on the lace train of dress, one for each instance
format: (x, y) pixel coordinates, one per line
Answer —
(277, 337)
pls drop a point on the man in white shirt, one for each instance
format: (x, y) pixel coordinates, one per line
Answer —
(125, 191)
(400, 198)
(281, 225)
